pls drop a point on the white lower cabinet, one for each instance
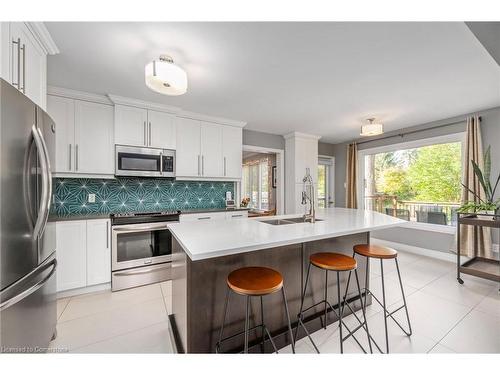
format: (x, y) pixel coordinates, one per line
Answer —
(83, 253)
(224, 215)
(98, 252)
(71, 253)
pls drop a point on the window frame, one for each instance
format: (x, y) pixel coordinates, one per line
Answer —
(428, 141)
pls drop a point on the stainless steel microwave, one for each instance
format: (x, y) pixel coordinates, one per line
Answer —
(144, 162)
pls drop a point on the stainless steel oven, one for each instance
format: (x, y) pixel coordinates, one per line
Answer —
(141, 248)
(144, 162)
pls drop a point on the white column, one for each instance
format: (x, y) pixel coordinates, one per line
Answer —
(301, 152)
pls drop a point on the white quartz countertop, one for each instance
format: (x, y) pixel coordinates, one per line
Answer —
(209, 239)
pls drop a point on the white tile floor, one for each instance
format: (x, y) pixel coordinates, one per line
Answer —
(446, 317)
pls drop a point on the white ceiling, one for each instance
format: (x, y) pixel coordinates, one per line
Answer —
(318, 78)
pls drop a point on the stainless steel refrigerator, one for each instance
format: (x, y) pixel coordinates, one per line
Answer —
(27, 239)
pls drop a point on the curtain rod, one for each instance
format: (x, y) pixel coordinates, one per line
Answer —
(401, 135)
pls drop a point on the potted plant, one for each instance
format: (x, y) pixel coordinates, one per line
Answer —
(487, 205)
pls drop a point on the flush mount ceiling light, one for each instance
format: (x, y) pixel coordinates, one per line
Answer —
(164, 77)
(372, 128)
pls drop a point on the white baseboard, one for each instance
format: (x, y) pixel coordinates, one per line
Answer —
(88, 289)
(449, 256)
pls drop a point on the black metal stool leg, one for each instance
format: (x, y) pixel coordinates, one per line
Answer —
(384, 307)
(262, 321)
(340, 314)
(226, 302)
(363, 308)
(247, 323)
(288, 318)
(404, 298)
(326, 298)
(302, 303)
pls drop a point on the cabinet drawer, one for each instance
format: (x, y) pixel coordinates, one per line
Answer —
(236, 215)
(203, 216)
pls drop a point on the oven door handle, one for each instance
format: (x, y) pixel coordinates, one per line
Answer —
(130, 228)
(143, 271)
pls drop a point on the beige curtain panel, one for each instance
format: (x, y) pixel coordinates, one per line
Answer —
(473, 151)
(352, 172)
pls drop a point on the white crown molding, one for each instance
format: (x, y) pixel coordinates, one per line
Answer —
(301, 135)
(121, 100)
(39, 30)
(79, 95)
(218, 120)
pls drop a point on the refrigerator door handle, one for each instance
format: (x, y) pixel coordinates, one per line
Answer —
(32, 289)
(46, 184)
(48, 181)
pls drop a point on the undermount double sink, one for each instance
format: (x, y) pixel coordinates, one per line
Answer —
(291, 220)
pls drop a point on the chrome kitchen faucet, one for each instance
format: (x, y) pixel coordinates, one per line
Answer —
(308, 196)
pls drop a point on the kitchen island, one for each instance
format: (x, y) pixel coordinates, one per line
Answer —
(204, 253)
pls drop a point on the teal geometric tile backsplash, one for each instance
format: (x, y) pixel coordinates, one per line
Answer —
(135, 195)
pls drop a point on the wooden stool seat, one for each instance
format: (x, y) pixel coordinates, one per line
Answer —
(333, 261)
(255, 281)
(374, 251)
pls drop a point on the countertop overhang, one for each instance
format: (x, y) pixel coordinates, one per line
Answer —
(211, 239)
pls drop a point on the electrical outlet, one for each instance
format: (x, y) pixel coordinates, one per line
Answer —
(91, 198)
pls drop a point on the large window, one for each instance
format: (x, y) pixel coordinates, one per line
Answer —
(325, 182)
(255, 184)
(419, 183)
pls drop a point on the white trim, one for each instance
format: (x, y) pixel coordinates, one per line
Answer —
(445, 229)
(447, 256)
(83, 175)
(217, 120)
(84, 290)
(78, 95)
(43, 36)
(121, 100)
(301, 135)
(221, 179)
(280, 170)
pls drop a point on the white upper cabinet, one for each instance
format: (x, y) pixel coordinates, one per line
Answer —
(188, 154)
(131, 125)
(62, 111)
(136, 126)
(98, 252)
(24, 58)
(84, 136)
(212, 162)
(93, 138)
(208, 150)
(232, 146)
(162, 130)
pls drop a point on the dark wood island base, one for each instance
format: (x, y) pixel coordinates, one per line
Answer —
(199, 290)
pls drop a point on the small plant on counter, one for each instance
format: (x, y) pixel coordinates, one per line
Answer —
(245, 201)
(488, 204)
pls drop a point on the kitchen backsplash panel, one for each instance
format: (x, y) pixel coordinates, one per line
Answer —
(117, 195)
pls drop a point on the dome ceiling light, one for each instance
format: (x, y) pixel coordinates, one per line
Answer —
(164, 77)
(372, 128)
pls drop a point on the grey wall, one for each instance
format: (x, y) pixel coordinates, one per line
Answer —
(326, 149)
(490, 126)
(253, 138)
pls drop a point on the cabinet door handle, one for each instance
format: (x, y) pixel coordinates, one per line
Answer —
(203, 165)
(224, 166)
(18, 84)
(107, 235)
(204, 218)
(69, 158)
(145, 136)
(198, 165)
(23, 89)
(76, 157)
(150, 133)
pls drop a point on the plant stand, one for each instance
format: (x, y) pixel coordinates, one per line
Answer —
(477, 266)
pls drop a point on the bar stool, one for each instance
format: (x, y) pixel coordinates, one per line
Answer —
(254, 282)
(382, 253)
(337, 263)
